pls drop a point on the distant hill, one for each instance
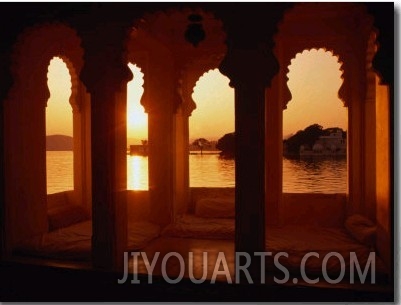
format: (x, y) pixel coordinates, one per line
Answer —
(59, 142)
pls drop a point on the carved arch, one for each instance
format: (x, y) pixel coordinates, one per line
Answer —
(164, 29)
(32, 53)
(24, 115)
(371, 51)
(191, 74)
(341, 28)
(34, 49)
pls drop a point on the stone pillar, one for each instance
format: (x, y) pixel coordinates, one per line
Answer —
(161, 166)
(250, 72)
(181, 143)
(80, 103)
(84, 154)
(77, 147)
(25, 157)
(370, 153)
(356, 139)
(189, 76)
(383, 63)
(106, 74)
(277, 97)
(181, 161)
(159, 101)
(108, 189)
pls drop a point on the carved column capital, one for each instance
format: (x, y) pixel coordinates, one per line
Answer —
(185, 102)
(105, 67)
(245, 67)
(105, 77)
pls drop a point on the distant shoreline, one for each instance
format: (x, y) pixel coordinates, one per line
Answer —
(59, 143)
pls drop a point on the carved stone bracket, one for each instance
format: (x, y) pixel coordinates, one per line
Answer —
(190, 75)
(249, 67)
(105, 66)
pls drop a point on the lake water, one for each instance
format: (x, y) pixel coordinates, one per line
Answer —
(299, 176)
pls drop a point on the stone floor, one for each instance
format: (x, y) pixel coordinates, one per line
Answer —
(27, 279)
(211, 259)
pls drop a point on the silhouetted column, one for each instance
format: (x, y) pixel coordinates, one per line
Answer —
(80, 103)
(181, 161)
(383, 63)
(186, 105)
(77, 157)
(25, 158)
(250, 72)
(370, 123)
(160, 102)
(160, 149)
(355, 138)
(106, 75)
(276, 97)
(85, 143)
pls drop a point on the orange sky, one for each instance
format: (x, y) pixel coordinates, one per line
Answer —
(137, 119)
(58, 110)
(214, 113)
(314, 81)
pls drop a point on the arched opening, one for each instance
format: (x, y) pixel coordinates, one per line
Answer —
(212, 120)
(315, 126)
(59, 129)
(55, 177)
(171, 65)
(137, 133)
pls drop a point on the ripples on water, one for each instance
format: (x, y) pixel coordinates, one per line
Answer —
(138, 165)
(299, 176)
(211, 171)
(59, 165)
(315, 175)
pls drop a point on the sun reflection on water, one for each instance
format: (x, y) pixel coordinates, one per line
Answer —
(137, 173)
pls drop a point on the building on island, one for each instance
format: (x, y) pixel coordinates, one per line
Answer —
(174, 44)
(334, 144)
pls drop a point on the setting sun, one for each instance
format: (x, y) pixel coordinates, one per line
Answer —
(314, 81)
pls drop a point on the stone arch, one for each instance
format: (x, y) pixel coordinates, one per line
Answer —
(163, 30)
(74, 82)
(344, 30)
(328, 32)
(171, 67)
(372, 49)
(190, 76)
(34, 49)
(24, 111)
(371, 72)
